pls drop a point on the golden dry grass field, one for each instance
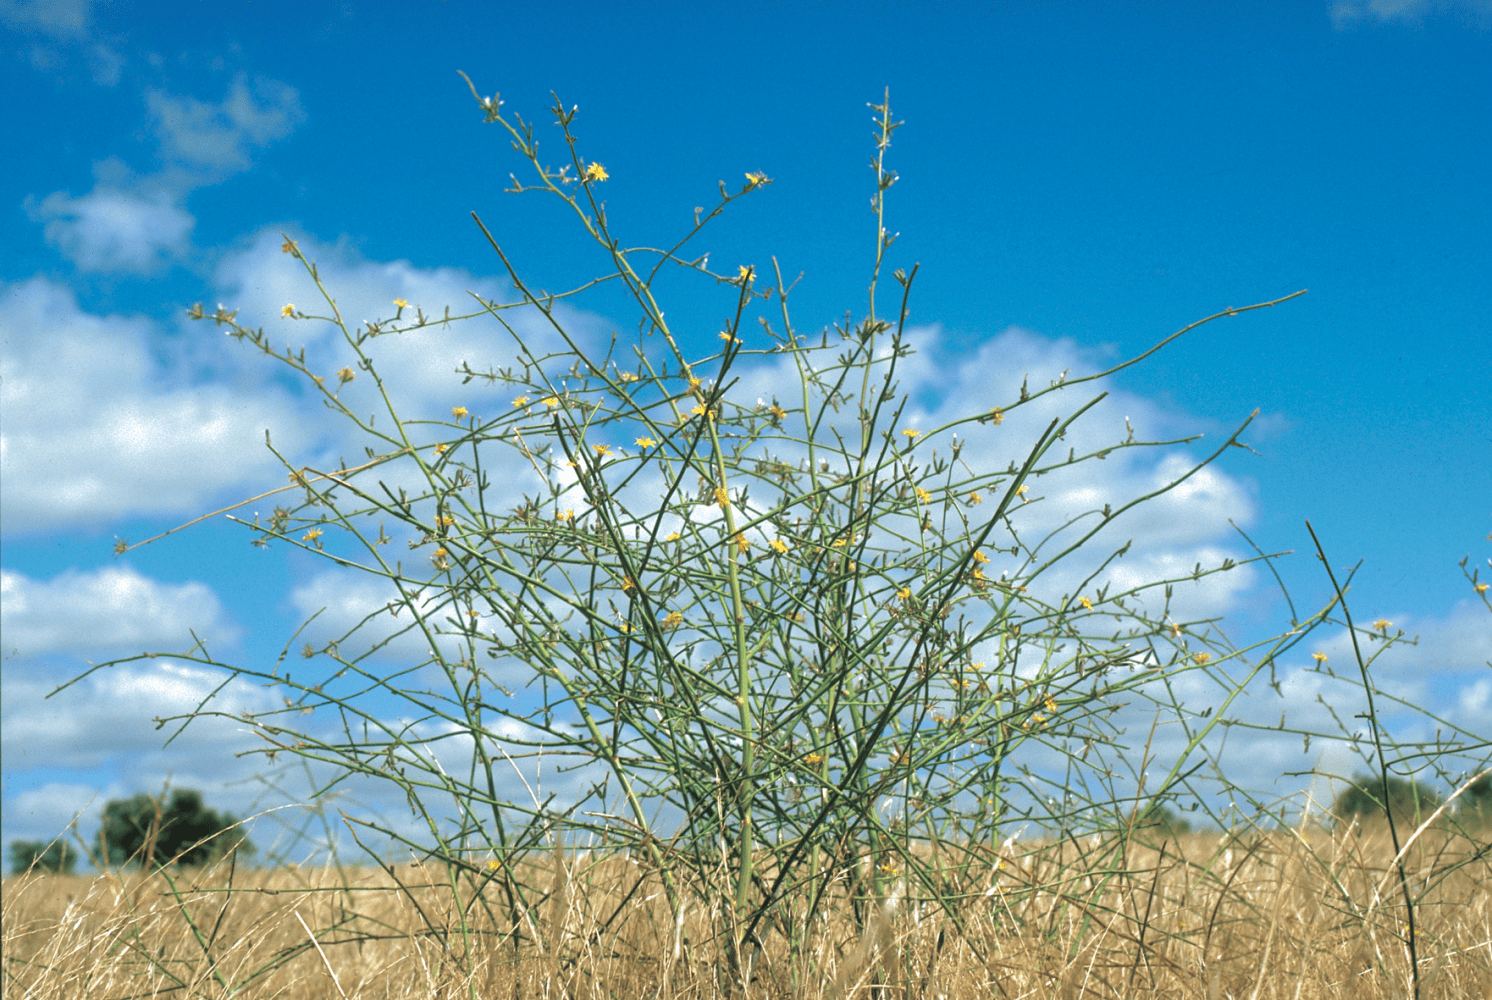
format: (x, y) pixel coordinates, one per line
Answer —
(1293, 914)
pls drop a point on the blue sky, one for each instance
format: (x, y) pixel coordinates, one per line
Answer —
(1077, 182)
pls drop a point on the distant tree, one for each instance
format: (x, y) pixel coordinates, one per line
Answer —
(1160, 818)
(48, 856)
(178, 830)
(1477, 799)
(1411, 801)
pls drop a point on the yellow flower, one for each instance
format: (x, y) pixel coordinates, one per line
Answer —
(779, 546)
(444, 521)
(778, 413)
(1087, 604)
(288, 311)
(458, 412)
(923, 495)
(813, 759)
(627, 584)
(1319, 657)
(980, 557)
(602, 450)
(996, 416)
(975, 498)
(728, 338)
(909, 433)
(520, 401)
(977, 574)
(312, 535)
(743, 544)
(289, 247)
(1382, 625)
(400, 304)
(626, 377)
(645, 442)
(674, 620)
(565, 515)
(904, 593)
(1021, 492)
(674, 537)
(1051, 704)
(889, 869)
(743, 275)
(440, 449)
(596, 172)
(693, 384)
(551, 401)
(1202, 657)
(441, 553)
(697, 410)
(345, 375)
(1481, 588)
(721, 497)
(757, 179)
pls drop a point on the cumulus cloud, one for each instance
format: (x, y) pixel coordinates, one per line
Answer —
(137, 225)
(96, 429)
(116, 232)
(105, 610)
(61, 19)
(1347, 12)
(218, 138)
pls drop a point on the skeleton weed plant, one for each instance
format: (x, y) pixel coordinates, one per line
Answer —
(788, 648)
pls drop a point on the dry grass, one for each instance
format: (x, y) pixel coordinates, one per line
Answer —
(1280, 916)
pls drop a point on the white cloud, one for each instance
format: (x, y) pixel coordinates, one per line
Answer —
(63, 19)
(95, 429)
(1345, 12)
(104, 610)
(116, 232)
(218, 138)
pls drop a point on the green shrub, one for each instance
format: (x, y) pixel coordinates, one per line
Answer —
(1411, 801)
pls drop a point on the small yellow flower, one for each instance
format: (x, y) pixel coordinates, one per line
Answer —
(674, 620)
(1087, 604)
(602, 450)
(645, 442)
(445, 521)
(975, 498)
(1021, 492)
(441, 449)
(813, 759)
(674, 537)
(757, 179)
(289, 247)
(980, 557)
(721, 497)
(909, 433)
(1201, 658)
(345, 375)
(458, 412)
(698, 410)
(551, 401)
(743, 544)
(996, 417)
(288, 311)
(693, 384)
(1481, 588)
(778, 413)
(1319, 657)
(626, 377)
(400, 304)
(628, 584)
(1382, 625)
(520, 401)
(728, 338)
(905, 593)
(743, 275)
(565, 515)
(923, 495)
(890, 869)
(779, 546)
(1051, 704)
(441, 553)
(595, 172)
(312, 535)
(977, 574)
